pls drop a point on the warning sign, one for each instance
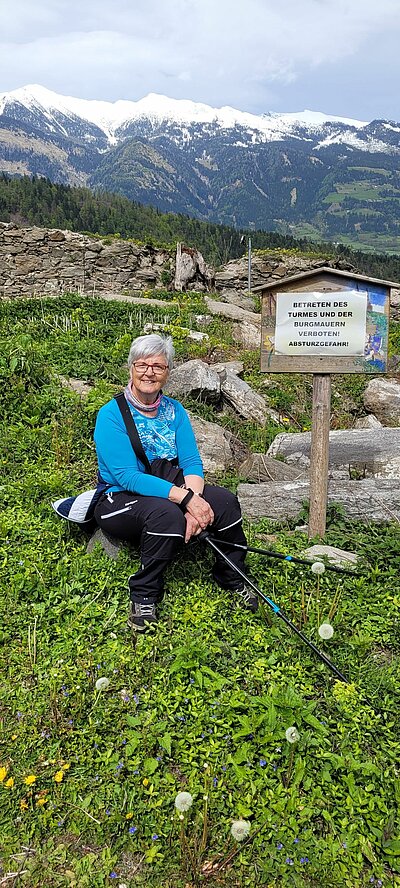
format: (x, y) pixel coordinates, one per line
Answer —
(316, 323)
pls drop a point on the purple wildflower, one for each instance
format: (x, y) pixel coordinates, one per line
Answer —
(304, 860)
(289, 861)
(132, 830)
(279, 846)
(263, 762)
(113, 875)
(154, 837)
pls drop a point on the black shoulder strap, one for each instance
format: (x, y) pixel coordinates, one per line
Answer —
(132, 430)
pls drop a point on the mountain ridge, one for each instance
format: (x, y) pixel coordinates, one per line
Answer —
(110, 116)
(304, 173)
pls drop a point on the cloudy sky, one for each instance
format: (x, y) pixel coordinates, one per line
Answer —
(336, 56)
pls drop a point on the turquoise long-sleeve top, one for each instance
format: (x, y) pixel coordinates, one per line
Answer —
(169, 434)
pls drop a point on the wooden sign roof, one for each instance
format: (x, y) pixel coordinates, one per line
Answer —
(277, 284)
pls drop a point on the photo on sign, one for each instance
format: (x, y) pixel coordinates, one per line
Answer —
(317, 323)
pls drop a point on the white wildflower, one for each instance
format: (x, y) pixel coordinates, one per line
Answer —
(240, 829)
(325, 631)
(292, 735)
(183, 801)
(102, 683)
(318, 568)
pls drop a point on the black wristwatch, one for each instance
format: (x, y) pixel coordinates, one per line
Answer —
(186, 499)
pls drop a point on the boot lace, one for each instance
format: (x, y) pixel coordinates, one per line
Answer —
(247, 596)
(145, 610)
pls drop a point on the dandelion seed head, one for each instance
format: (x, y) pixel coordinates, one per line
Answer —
(102, 683)
(318, 567)
(292, 735)
(183, 801)
(325, 631)
(240, 829)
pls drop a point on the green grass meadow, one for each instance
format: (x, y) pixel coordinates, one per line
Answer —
(88, 778)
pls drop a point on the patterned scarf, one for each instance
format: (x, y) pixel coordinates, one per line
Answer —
(144, 408)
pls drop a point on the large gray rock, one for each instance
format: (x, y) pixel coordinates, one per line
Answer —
(234, 366)
(189, 267)
(234, 312)
(110, 545)
(237, 297)
(194, 378)
(335, 556)
(247, 335)
(369, 500)
(219, 449)
(247, 403)
(382, 398)
(372, 452)
(367, 422)
(260, 467)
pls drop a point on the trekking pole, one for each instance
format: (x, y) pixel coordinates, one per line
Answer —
(276, 609)
(269, 553)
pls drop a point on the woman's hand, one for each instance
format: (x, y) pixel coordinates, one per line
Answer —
(192, 527)
(200, 510)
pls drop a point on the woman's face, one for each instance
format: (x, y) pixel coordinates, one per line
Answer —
(148, 375)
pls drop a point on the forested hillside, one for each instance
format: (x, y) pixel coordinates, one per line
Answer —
(38, 201)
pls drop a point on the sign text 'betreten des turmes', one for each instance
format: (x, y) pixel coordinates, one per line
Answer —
(321, 323)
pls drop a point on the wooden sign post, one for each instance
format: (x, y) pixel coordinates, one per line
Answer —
(324, 321)
(319, 456)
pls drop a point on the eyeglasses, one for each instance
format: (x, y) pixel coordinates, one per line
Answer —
(142, 368)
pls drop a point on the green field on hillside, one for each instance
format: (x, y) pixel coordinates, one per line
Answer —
(207, 703)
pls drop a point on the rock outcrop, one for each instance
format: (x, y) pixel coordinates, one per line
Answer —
(382, 398)
(368, 452)
(370, 500)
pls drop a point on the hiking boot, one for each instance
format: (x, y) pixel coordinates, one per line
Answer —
(247, 598)
(142, 616)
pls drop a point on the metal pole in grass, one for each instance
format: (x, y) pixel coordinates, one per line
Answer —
(276, 609)
(280, 555)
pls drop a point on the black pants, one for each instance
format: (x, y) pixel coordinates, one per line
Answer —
(159, 526)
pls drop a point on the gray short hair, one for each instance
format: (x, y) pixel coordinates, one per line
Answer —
(148, 346)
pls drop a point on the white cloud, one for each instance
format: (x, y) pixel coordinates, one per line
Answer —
(247, 54)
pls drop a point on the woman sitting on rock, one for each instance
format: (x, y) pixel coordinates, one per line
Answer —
(142, 507)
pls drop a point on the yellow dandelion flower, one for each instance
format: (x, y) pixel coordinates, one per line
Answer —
(23, 805)
(9, 783)
(3, 774)
(66, 766)
(129, 815)
(59, 776)
(145, 782)
(31, 778)
(41, 802)
(14, 737)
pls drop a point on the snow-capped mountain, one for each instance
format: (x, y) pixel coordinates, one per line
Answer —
(274, 170)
